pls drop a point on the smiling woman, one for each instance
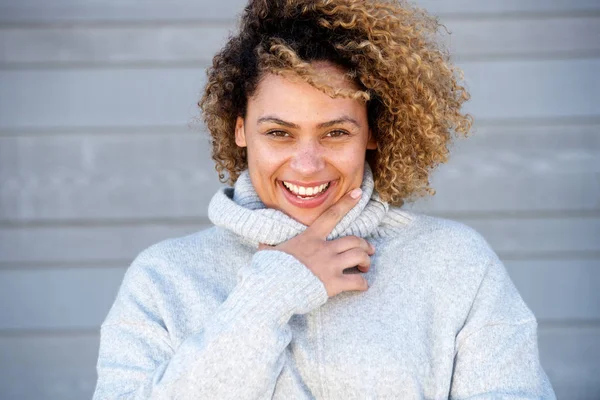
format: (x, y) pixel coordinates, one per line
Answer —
(325, 116)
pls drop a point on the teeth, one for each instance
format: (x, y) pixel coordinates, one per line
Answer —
(305, 191)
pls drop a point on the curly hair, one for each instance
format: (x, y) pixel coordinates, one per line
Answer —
(391, 49)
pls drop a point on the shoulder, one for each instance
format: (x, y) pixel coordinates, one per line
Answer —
(164, 275)
(453, 258)
(171, 258)
(177, 248)
(437, 235)
(450, 253)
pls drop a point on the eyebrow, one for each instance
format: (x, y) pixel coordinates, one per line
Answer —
(279, 121)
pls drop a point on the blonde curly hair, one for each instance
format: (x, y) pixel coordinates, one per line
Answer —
(391, 49)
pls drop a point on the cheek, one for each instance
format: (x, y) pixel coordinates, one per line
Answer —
(265, 160)
(349, 158)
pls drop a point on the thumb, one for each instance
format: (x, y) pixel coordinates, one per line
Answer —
(327, 221)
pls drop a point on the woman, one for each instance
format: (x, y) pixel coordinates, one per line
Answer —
(314, 283)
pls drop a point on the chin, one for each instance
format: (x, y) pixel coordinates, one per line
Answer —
(306, 219)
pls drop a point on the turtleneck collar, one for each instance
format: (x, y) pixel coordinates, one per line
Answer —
(240, 210)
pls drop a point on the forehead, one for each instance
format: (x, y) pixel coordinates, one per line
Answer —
(290, 96)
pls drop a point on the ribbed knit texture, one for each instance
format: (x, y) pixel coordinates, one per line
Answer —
(206, 316)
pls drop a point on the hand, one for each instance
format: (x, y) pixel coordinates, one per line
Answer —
(328, 259)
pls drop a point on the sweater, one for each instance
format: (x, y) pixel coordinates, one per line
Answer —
(207, 316)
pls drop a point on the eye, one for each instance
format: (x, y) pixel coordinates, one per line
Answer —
(337, 133)
(277, 134)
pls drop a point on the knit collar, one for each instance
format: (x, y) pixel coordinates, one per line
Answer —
(240, 210)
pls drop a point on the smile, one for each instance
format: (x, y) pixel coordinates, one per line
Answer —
(309, 195)
(304, 192)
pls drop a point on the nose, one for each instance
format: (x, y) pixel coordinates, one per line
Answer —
(307, 159)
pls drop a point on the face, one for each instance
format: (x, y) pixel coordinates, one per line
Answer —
(305, 149)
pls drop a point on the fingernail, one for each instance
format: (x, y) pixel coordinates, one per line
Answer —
(355, 194)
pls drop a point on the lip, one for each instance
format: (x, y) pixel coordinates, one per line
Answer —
(309, 203)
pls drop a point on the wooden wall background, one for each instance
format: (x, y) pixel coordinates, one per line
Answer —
(98, 161)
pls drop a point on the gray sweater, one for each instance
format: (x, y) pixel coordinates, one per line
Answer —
(206, 316)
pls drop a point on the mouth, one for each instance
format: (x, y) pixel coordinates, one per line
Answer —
(304, 192)
(306, 196)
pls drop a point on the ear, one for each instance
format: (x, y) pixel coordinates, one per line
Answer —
(371, 143)
(240, 133)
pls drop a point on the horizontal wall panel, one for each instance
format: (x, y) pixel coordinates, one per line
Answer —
(105, 176)
(176, 43)
(115, 10)
(63, 367)
(509, 237)
(112, 45)
(124, 176)
(549, 148)
(507, 6)
(76, 298)
(519, 169)
(54, 367)
(532, 89)
(45, 99)
(523, 37)
(499, 193)
(521, 237)
(79, 298)
(571, 358)
(93, 244)
(557, 289)
(118, 10)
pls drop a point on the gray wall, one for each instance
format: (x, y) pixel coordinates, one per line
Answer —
(100, 157)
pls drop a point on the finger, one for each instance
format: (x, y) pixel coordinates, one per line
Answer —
(354, 282)
(325, 223)
(354, 257)
(350, 242)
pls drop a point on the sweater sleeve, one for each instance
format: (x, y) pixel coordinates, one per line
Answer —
(239, 353)
(496, 350)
